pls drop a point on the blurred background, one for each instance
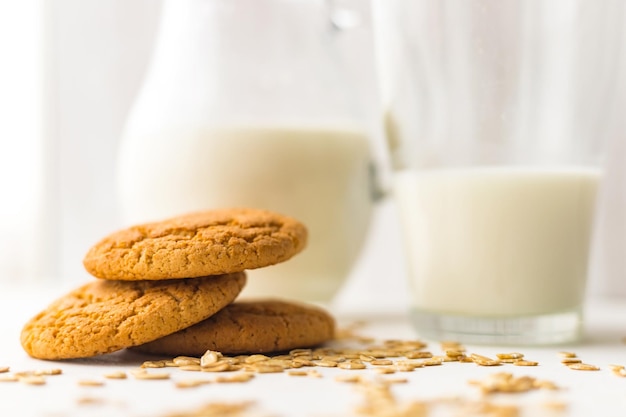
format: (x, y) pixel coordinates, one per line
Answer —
(69, 72)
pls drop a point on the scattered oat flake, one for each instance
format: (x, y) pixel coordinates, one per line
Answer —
(297, 373)
(583, 367)
(8, 378)
(268, 369)
(33, 380)
(495, 410)
(396, 380)
(89, 401)
(235, 378)
(405, 367)
(418, 355)
(143, 374)
(256, 358)
(186, 361)
(476, 357)
(192, 383)
(381, 362)
(512, 355)
(618, 370)
(300, 352)
(210, 357)
(487, 363)
(432, 362)
(4, 369)
(348, 378)
(49, 372)
(549, 385)
(507, 382)
(90, 383)
(217, 367)
(525, 363)
(285, 364)
(191, 368)
(454, 353)
(334, 358)
(507, 360)
(567, 354)
(303, 362)
(555, 405)
(215, 410)
(351, 365)
(155, 364)
(116, 375)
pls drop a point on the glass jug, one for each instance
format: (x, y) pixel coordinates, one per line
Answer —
(246, 103)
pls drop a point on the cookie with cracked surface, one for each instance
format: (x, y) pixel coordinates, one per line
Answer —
(250, 327)
(196, 245)
(106, 316)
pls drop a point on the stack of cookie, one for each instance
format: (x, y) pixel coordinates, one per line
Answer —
(169, 288)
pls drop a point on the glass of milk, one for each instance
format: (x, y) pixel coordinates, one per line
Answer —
(496, 114)
(246, 103)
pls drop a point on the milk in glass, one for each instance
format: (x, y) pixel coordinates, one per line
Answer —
(497, 242)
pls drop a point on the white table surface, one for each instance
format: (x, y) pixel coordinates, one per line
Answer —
(585, 393)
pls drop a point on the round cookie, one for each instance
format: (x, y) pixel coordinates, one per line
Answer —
(197, 244)
(250, 327)
(106, 316)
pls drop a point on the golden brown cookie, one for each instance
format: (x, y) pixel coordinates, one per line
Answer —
(105, 316)
(250, 327)
(196, 245)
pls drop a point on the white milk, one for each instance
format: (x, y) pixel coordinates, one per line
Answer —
(319, 176)
(497, 242)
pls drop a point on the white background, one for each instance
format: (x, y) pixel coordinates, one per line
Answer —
(89, 59)
(68, 74)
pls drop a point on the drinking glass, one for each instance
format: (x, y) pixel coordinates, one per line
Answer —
(496, 113)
